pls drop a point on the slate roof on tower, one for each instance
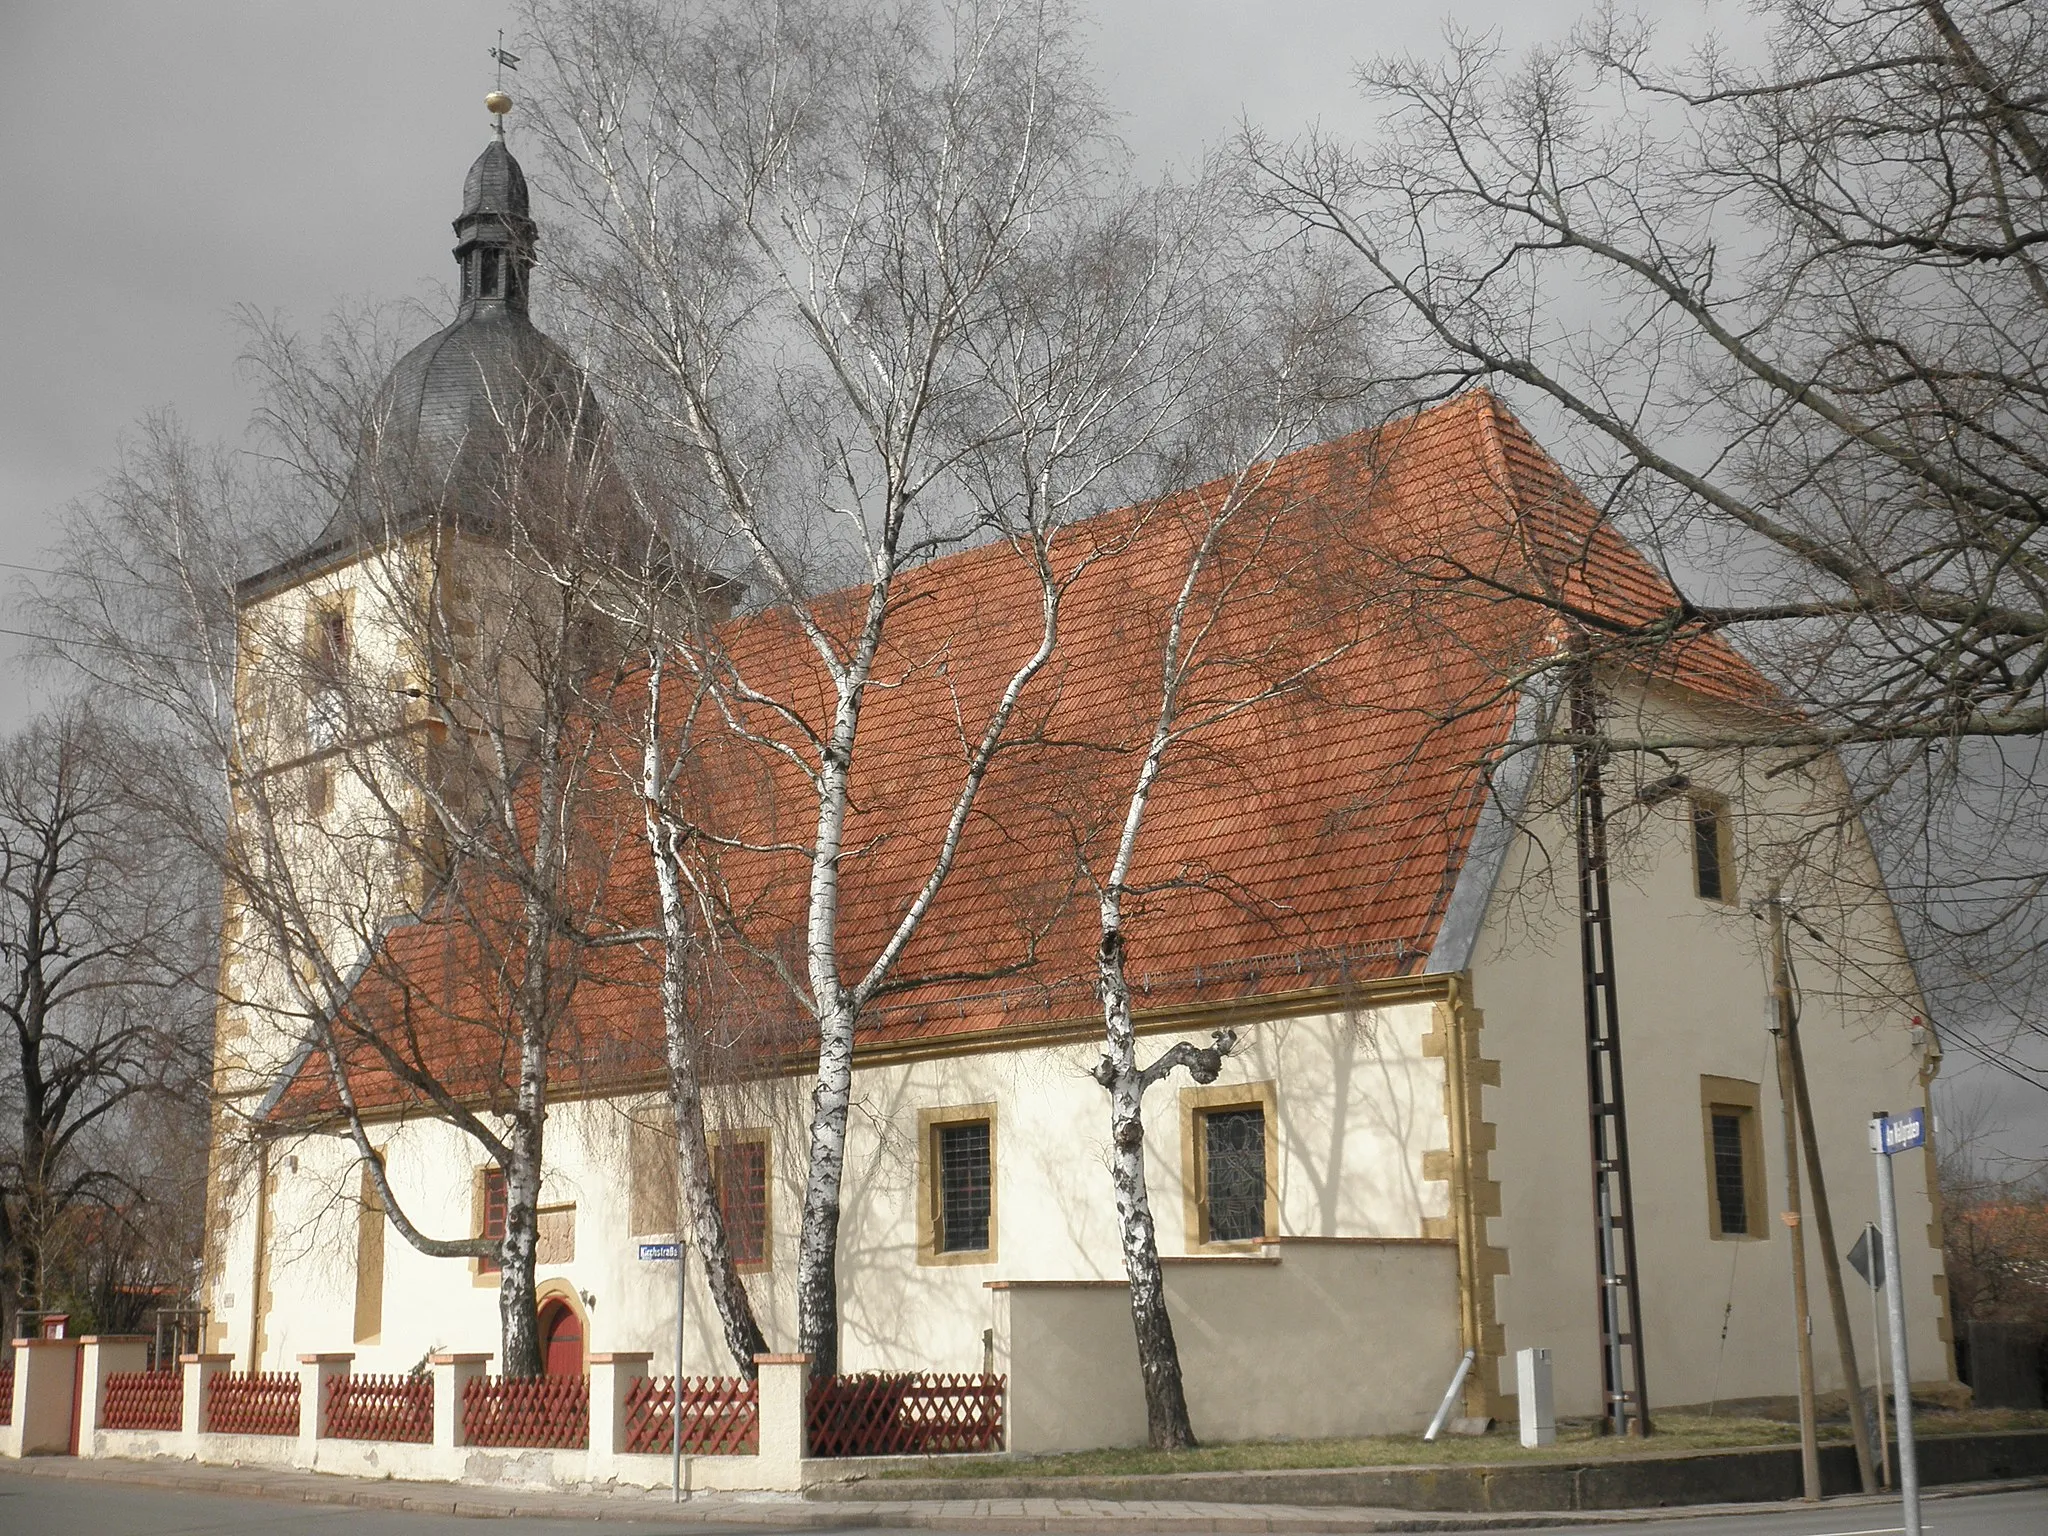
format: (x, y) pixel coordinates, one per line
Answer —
(1308, 841)
(462, 408)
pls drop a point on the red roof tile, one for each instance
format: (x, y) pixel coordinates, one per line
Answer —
(1307, 839)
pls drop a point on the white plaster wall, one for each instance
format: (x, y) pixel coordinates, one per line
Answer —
(1357, 1106)
(1691, 980)
(1319, 1338)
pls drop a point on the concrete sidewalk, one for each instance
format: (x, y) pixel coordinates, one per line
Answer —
(788, 1512)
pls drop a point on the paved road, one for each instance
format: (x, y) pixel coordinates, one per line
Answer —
(37, 1506)
(1988, 1514)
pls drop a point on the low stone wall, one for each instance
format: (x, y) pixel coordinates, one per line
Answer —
(447, 1458)
(1310, 1339)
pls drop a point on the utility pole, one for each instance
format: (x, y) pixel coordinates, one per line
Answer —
(1802, 1325)
(1823, 1221)
(1625, 1396)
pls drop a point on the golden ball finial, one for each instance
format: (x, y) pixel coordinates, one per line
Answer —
(499, 103)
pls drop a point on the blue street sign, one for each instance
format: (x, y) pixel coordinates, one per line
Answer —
(1902, 1133)
(655, 1253)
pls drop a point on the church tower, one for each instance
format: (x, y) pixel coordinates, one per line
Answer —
(480, 461)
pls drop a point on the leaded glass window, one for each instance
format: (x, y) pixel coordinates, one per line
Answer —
(966, 1187)
(1706, 852)
(1234, 1155)
(1730, 1180)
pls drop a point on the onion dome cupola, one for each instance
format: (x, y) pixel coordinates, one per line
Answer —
(479, 407)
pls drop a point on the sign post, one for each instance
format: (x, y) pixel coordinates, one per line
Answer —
(1867, 1259)
(672, 1253)
(1889, 1136)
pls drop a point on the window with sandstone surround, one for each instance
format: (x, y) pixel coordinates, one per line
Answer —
(956, 1185)
(739, 1170)
(1230, 1165)
(1730, 1116)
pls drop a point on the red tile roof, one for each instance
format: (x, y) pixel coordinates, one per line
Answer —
(1310, 838)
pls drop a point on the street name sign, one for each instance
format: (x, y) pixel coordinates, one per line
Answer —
(657, 1253)
(1902, 1133)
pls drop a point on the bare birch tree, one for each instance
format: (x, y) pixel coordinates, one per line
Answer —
(689, 926)
(414, 737)
(867, 273)
(1787, 302)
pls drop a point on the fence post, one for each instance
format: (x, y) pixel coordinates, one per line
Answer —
(315, 1372)
(199, 1370)
(780, 1389)
(452, 1375)
(41, 1422)
(105, 1354)
(17, 1407)
(611, 1378)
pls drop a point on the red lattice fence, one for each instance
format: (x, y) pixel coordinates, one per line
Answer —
(144, 1400)
(7, 1391)
(381, 1408)
(253, 1403)
(721, 1416)
(914, 1413)
(528, 1412)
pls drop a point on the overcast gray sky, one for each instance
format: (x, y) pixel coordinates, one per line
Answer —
(162, 163)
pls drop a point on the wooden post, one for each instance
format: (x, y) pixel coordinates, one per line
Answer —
(1824, 1224)
(1781, 997)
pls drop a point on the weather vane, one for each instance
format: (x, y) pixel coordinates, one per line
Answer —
(498, 102)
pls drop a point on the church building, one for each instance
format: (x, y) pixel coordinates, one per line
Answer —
(1374, 881)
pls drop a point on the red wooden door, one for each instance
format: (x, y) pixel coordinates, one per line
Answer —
(561, 1340)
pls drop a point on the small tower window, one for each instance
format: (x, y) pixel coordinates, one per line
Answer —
(330, 642)
(1713, 870)
(487, 287)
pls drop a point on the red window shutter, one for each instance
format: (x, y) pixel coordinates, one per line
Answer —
(494, 1216)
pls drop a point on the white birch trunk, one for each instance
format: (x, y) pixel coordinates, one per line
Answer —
(681, 952)
(1166, 1407)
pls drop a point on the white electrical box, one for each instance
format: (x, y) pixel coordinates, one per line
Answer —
(1532, 1390)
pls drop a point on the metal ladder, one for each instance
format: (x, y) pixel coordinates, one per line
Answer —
(1625, 1397)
